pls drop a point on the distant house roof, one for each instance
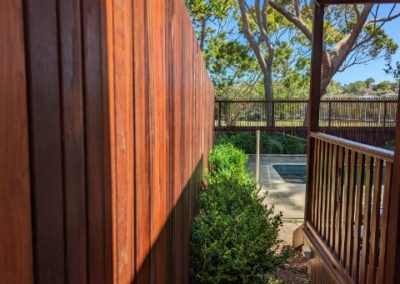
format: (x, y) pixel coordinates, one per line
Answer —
(369, 96)
(390, 95)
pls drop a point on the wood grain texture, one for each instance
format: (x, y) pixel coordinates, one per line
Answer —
(364, 245)
(73, 140)
(16, 264)
(392, 259)
(96, 145)
(120, 113)
(173, 111)
(352, 223)
(46, 146)
(119, 47)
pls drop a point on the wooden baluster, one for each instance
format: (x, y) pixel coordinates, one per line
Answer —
(329, 114)
(375, 216)
(324, 191)
(345, 205)
(339, 198)
(315, 188)
(321, 182)
(333, 196)
(350, 214)
(384, 114)
(366, 219)
(384, 222)
(328, 196)
(358, 216)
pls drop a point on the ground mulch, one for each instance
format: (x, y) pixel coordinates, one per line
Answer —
(295, 270)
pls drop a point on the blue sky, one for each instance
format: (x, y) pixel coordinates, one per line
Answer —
(375, 68)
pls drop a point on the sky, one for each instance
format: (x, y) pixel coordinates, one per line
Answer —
(375, 68)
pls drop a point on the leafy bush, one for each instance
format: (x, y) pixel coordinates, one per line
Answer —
(234, 238)
(389, 145)
(269, 143)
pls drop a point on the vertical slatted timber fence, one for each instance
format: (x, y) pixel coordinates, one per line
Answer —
(369, 121)
(106, 124)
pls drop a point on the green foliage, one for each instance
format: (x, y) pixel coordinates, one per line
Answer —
(228, 58)
(234, 68)
(393, 70)
(389, 145)
(234, 238)
(215, 9)
(269, 143)
(274, 281)
(357, 88)
(369, 82)
(384, 87)
(334, 88)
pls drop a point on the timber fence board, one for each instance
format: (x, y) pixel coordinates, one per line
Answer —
(108, 123)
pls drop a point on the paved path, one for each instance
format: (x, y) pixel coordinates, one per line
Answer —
(286, 197)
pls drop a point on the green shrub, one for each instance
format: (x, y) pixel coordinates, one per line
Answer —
(269, 143)
(234, 238)
(389, 145)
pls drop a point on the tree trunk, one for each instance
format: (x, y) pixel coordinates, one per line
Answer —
(269, 96)
(324, 84)
(203, 32)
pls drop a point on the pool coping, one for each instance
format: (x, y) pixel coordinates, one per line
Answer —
(277, 187)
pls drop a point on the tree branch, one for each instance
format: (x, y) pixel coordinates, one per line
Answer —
(389, 18)
(346, 45)
(250, 36)
(293, 19)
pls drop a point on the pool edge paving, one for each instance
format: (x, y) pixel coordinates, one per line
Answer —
(286, 197)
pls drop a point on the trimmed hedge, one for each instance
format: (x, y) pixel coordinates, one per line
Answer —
(269, 143)
(234, 237)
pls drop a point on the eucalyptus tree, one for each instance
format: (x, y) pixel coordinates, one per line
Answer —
(207, 12)
(259, 39)
(263, 31)
(233, 63)
(354, 34)
(228, 57)
(393, 70)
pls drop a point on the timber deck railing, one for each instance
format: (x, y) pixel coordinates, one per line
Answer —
(367, 121)
(348, 203)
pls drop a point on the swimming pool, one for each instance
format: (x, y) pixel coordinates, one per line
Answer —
(293, 173)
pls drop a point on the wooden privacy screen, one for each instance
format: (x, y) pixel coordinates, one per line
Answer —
(15, 212)
(106, 114)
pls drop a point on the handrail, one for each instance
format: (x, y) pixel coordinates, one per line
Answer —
(375, 152)
(348, 206)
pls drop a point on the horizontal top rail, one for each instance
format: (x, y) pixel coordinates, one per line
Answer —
(261, 101)
(306, 101)
(368, 121)
(372, 151)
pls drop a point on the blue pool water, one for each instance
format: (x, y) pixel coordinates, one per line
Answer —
(292, 173)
